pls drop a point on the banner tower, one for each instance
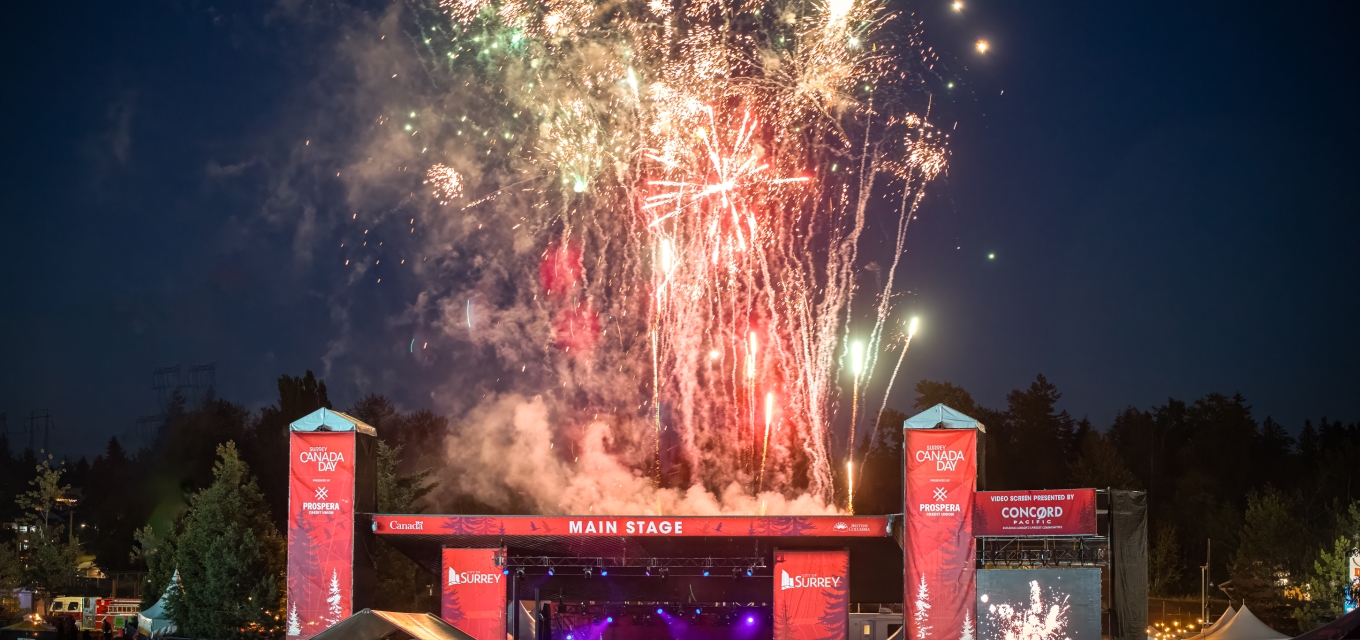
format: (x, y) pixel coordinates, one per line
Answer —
(940, 478)
(333, 478)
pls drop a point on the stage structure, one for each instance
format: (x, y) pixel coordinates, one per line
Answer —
(588, 577)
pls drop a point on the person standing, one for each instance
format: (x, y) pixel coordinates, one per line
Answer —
(108, 629)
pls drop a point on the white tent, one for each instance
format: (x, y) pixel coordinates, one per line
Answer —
(155, 621)
(1243, 626)
(1209, 628)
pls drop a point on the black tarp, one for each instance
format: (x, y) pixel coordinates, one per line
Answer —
(1129, 564)
(1346, 627)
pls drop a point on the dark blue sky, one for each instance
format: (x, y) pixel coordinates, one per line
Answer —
(1169, 189)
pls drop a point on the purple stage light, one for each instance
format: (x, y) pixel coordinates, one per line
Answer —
(609, 620)
(750, 619)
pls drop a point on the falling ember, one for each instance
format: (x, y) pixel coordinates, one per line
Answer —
(446, 182)
(710, 166)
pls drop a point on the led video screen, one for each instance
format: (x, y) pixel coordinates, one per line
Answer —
(1038, 604)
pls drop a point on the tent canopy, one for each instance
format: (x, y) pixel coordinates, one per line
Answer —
(1209, 627)
(372, 625)
(1244, 625)
(155, 621)
(942, 414)
(327, 420)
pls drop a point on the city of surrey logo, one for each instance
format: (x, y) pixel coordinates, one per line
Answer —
(471, 577)
(810, 580)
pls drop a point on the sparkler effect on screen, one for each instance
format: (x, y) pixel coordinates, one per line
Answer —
(692, 180)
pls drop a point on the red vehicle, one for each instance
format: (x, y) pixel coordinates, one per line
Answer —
(90, 613)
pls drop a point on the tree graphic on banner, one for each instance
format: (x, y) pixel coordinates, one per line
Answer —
(294, 623)
(783, 622)
(304, 566)
(967, 633)
(333, 611)
(921, 614)
(833, 619)
(452, 611)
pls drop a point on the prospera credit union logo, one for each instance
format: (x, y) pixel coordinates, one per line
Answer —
(473, 577)
(808, 581)
(320, 505)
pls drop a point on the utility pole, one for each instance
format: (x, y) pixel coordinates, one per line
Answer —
(1204, 584)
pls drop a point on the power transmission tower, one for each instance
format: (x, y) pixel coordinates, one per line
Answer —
(41, 421)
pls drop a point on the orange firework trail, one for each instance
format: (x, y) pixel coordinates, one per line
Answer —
(699, 174)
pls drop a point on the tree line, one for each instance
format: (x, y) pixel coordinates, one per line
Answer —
(208, 497)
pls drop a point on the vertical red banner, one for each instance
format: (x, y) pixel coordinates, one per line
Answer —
(811, 595)
(941, 477)
(320, 531)
(474, 593)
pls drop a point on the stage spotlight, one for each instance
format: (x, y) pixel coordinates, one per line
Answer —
(658, 610)
(604, 572)
(705, 573)
(609, 620)
(587, 572)
(519, 573)
(748, 573)
(750, 620)
(505, 572)
(550, 571)
(697, 612)
(568, 636)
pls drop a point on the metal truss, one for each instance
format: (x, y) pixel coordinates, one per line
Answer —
(610, 562)
(1043, 552)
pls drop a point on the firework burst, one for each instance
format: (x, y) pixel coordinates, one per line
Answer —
(694, 176)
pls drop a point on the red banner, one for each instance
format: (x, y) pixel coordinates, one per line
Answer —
(650, 526)
(474, 593)
(320, 531)
(1069, 512)
(941, 477)
(812, 598)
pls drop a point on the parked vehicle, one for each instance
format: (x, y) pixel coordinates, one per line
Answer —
(90, 613)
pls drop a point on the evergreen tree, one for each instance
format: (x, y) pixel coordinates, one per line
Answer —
(53, 560)
(157, 552)
(1270, 558)
(1098, 464)
(402, 584)
(230, 558)
(267, 448)
(1164, 562)
(113, 507)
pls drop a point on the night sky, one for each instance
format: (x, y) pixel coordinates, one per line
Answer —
(1169, 191)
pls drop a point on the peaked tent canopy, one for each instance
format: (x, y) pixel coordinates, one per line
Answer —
(1343, 628)
(1209, 628)
(1244, 625)
(155, 621)
(372, 625)
(327, 420)
(942, 414)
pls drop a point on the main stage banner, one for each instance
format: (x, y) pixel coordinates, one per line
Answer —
(649, 526)
(1070, 512)
(320, 531)
(812, 601)
(941, 477)
(474, 593)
